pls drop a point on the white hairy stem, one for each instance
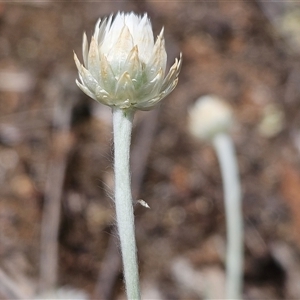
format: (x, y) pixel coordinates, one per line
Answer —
(233, 207)
(122, 127)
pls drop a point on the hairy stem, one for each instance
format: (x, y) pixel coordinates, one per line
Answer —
(122, 127)
(234, 257)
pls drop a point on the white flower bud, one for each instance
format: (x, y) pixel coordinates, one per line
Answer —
(123, 67)
(209, 116)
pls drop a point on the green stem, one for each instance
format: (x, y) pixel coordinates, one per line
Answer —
(233, 207)
(122, 127)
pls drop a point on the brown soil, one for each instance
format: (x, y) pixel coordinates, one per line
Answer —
(233, 49)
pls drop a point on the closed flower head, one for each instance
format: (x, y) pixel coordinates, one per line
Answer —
(123, 66)
(210, 116)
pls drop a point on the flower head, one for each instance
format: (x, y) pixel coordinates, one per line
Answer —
(123, 66)
(209, 116)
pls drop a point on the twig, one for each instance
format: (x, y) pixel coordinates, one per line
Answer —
(62, 142)
(10, 289)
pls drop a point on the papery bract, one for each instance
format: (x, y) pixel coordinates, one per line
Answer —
(123, 66)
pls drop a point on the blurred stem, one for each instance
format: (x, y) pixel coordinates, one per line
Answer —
(231, 183)
(122, 127)
(62, 142)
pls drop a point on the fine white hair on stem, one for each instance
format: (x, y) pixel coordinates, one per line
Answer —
(122, 126)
